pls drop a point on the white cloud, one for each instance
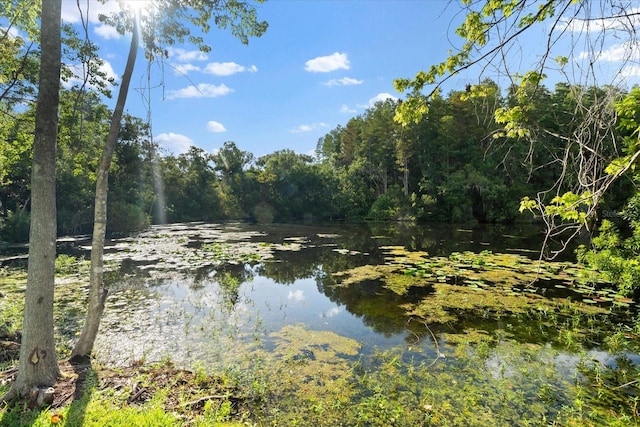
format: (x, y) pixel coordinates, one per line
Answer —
(632, 71)
(203, 90)
(108, 70)
(13, 33)
(332, 312)
(308, 128)
(227, 68)
(174, 142)
(345, 81)
(345, 109)
(325, 64)
(78, 74)
(617, 21)
(90, 11)
(107, 32)
(185, 68)
(616, 53)
(297, 295)
(302, 128)
(213, 126)
(383, 96)
(183, 55)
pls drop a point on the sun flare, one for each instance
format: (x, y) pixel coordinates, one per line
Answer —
(137, 6)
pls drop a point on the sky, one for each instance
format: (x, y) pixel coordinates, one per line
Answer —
(320, 63)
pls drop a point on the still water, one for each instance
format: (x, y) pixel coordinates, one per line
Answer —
(185, 311)
(238, 295)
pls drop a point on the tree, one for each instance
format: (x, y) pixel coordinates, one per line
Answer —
(165, 24)
(84, 123)
(231, 162)
(38, 365)
(490, 32)
(97, 290)
(191, 170)
(289, 184)
(18, 57)
(131, 182)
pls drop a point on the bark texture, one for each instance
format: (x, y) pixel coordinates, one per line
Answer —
(38, 366)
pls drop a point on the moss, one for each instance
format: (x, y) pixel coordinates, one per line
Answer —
(485, 284)
(363, 273)
(401, 255)
(308, 376)
(327, 343)
(400, 283)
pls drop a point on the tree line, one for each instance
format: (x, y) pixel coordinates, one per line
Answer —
(481, 153)
(451, 166)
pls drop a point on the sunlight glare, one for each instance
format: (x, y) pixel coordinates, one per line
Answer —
(136, 6)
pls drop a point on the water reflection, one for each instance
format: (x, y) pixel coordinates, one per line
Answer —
(199, 314)
(195, 293)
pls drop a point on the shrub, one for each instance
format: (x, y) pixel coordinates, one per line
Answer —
(15, 227)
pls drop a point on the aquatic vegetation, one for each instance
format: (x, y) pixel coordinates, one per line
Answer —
(230, 287)
(68, 265)
(362, 273)
(69, 304)
(614, 384)
(303, 331)
(306, 377)
(483, 283)
(469, 390)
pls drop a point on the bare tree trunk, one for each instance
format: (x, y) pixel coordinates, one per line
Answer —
(385, 180)
(38, 366)
(97, 290)
(405, 175)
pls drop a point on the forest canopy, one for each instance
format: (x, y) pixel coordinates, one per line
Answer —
(454, 165)
(479, 153)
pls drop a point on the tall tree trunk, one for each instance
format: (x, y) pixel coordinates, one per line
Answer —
(97, 290)
(38, 366)
(405, 175)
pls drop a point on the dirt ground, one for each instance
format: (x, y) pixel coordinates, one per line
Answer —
(188, 391)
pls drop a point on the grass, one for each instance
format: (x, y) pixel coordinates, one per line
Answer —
(385, 391)
(153, 395)
(321, 378)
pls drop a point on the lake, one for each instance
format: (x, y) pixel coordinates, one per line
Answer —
(376, 324)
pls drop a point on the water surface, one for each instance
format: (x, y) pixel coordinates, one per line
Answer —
(243, 296)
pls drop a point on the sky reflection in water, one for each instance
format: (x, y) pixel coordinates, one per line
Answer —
(194, 324)
(198, 320)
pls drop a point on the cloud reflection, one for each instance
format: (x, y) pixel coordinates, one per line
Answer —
(296, 295)
(332, 312)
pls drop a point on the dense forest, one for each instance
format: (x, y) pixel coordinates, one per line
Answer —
(483, 153)
(452, 166)
(564, 156)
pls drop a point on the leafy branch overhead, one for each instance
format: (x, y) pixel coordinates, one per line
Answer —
(169, 22)
(477, 31)
(593, 156)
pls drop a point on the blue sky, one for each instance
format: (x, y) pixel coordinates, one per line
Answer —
(320, 63)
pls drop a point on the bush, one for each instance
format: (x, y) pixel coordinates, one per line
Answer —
(14, 227)
(125, 217)
(384, 208)
(616, 257)
(66, 264)
(393, 205)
